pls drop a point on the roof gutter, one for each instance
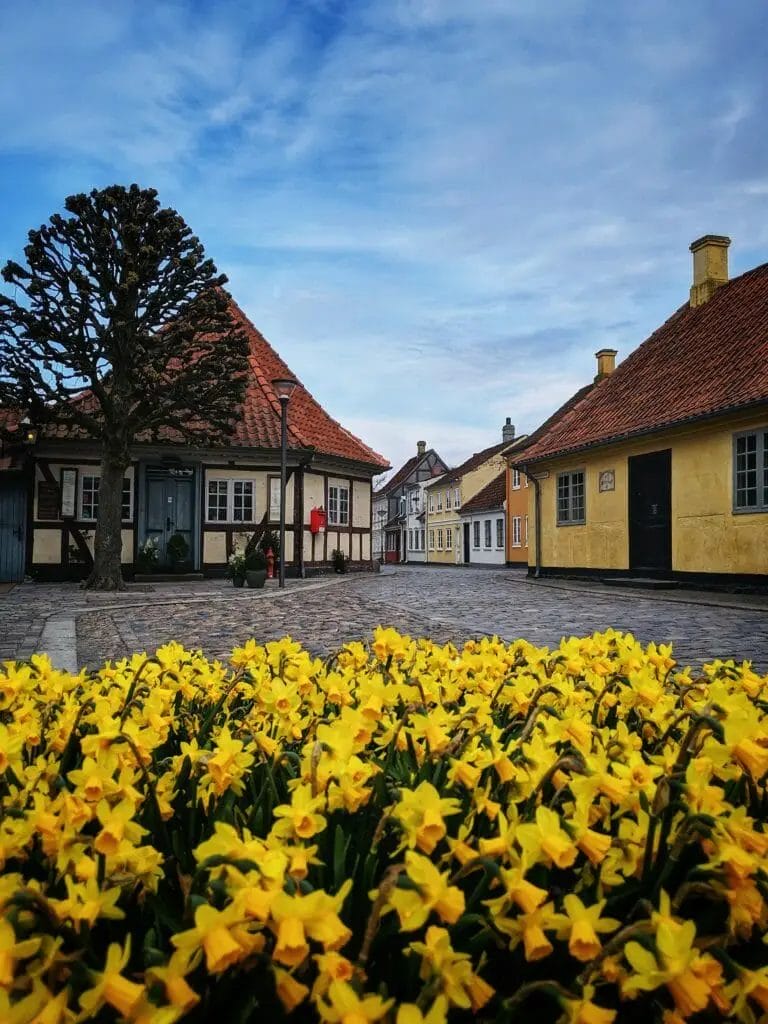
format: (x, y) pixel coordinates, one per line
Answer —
(537, 518)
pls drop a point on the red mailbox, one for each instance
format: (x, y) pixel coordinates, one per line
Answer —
(317, 520)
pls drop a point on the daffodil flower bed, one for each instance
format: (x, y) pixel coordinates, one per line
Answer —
(406, 833)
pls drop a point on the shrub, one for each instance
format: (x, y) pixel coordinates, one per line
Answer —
(255, 560)
(339, 560)
(404, 833)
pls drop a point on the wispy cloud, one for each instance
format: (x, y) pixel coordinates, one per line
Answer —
(436, 210)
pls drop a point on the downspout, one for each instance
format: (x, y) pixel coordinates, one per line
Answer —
(537, 523)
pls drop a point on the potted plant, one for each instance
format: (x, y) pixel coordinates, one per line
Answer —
(256, 569)
(177, 550)
(236, 567)
(148, 556)
(339, 560)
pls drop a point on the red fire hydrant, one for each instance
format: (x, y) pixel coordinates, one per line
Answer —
(270, 564)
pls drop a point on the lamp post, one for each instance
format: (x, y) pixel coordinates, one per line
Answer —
(284, 387)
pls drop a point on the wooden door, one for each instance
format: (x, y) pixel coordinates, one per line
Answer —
(650, 512)
(13, 529)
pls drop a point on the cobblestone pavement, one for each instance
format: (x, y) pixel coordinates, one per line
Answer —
(445, 604)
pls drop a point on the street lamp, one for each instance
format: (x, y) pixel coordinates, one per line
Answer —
(284, 388)
(29, 431)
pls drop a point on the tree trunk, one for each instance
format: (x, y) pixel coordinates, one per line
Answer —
(106, 573)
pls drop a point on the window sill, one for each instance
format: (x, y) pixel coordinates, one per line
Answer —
(750, 511)
(575, 522)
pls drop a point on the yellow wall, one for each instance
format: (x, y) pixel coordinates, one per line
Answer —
(468, 485)
(707, 536)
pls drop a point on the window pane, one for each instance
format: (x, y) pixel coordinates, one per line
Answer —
(126, 500)
(90, 500)
(499, 533)
(476, 534)
(577, 496)
(242, 501)
(217, 500)
(563, 498)
(746, 471)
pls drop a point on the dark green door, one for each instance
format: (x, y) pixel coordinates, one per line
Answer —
(170, 509)
(13, 527)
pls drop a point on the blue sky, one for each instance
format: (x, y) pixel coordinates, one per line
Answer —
(437, 211)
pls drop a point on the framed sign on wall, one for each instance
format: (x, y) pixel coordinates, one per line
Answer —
(608, 480)
(68, 493)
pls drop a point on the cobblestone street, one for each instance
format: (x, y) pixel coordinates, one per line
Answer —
(445, 604)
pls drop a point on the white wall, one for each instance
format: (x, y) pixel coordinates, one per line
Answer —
(483, 555)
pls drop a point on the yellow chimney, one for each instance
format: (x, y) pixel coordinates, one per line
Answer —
(710, 267)
(606, 362)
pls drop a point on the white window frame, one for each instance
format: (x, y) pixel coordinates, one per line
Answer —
(439, 501)
(431, 540)
(457, 497)
(526, 531)
(448, 538)
(422, 538)
(431, 503)
(487, 534)
(760, 435)
(448, 500)
(95, 498)
(517, 531)
(338, 510)
(566, 517)
(515, 479)
(244, 485)
(440, 540)
(499, 533)
(227, 491)
(476, 535)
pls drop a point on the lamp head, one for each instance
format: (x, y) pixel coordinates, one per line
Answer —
(284, 387)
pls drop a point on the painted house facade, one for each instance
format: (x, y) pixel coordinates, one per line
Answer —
(660, 468)
(516, 509)
(484, 518)
(448, 536)
(217, 498)
(416, 522)
(391, 509)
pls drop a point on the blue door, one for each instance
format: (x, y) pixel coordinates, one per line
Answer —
(13, 529)
(170, 509)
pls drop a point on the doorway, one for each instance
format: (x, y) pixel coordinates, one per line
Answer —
(650, 512)
(13, 527)
(170, 508)
(466, 543)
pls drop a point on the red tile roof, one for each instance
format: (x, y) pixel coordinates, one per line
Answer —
(702, 362)
(258, 419)
(492, 496)
(308, 423)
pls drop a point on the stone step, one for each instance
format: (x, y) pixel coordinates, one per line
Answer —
(640, 582)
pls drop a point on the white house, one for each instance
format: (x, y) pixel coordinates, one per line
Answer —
(483, 520)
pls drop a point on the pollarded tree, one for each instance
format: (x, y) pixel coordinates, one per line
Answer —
(119, 330)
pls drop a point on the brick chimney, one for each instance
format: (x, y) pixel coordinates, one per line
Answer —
(421, 447)
(508, 431)
(606, 363)
(710, 267)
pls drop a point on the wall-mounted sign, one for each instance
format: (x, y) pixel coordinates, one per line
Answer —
(608, 480)
(68, 493)
(47, 500)
(274, 498)
(181, 470)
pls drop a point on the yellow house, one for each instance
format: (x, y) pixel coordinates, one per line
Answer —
(660, 468)
(448, 537)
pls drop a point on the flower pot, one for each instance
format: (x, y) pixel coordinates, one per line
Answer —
(256, 578)
(238, 581)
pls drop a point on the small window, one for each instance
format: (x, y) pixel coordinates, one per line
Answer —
(476, 534)
(516, 524)
(431, 540)
(448, 500)
(338, 505)
(242, 506)
(456, 498)
(487, 531)
(440, 501)
(431, 503)
(422, 540)
(449, 539)
(218, 499)
(570, 498)
(89, 498)
(515, 479)
(439, 540)
(751, 472)
(499, 533)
